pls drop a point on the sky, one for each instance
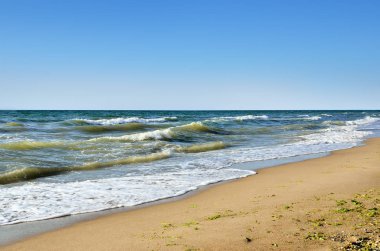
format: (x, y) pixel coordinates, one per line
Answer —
(189, 54)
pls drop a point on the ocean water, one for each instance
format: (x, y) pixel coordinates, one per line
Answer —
(56, 163)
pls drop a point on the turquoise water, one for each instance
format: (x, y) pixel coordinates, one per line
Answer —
(57, 163)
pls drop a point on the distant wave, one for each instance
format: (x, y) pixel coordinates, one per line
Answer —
(238, 118)
(308, 117)
(118, 121)
(363, 121)
(161, 134)
(338, 133)
(110, 128)
(32, 145)
(14, 124)
(10, 127)
(28, 145)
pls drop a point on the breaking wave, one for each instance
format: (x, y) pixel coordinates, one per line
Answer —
(211, 146)
(308, 117)
(336, 134)
(118, 121)
(31, 145)
(39, 172)
(162, 134)
(238, 118)
(110, 128)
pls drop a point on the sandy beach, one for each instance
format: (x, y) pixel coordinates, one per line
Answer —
(319, 204)
(189, 125)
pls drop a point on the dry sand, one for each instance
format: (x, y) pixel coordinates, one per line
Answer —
(322, 204)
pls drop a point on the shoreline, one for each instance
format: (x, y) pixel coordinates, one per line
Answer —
(178, 201)
(12, 232)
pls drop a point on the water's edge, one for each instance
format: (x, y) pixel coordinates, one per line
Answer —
(16, 232)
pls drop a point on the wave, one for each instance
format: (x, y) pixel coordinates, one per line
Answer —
(296, 127)
(36, 145)
(110, 128)
(363, 121)
(118, 121)
(162, 134)
(308, 117)
(205, 147)
(39, 172)
(336, 134)
(10, 127)
(195, 126)
(31, 173)
(14, 124)
(28, 173)
(238, 118)
(30, 145)
(334, 122)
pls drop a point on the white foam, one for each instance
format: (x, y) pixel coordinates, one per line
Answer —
(151, 135)
(335, 134)
(117, 121)
(308, 117)
(36, 201)
(364, 121)
(238, 118)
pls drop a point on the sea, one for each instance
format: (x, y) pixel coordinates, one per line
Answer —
(59, 163)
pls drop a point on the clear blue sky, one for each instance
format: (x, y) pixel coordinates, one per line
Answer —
(189, 54)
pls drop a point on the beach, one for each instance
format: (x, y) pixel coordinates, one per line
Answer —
(189, 125)
(317, 204)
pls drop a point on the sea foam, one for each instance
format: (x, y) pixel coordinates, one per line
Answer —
(238, 118)
(118, 121)
(49, 200)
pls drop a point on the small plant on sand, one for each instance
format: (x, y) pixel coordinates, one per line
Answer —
(167, 225)
(190, 223)
(226, 213)
(192, 249)
(363, 243)
(316, 236)
(171, 243)
(318, 222)
(214, 217)
(356, 203)
(372, 212)
(341, 202)
(364, 196)
(343, 210)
